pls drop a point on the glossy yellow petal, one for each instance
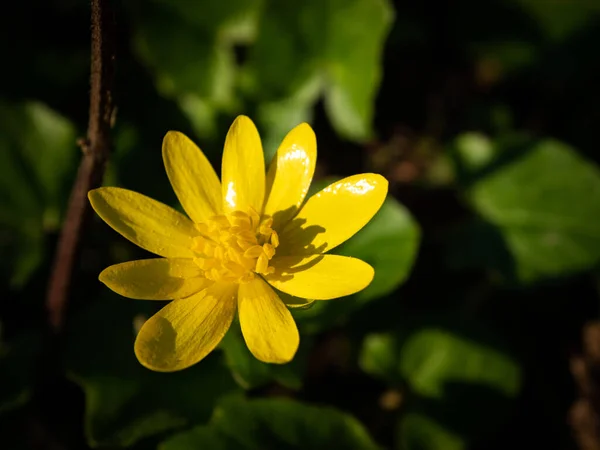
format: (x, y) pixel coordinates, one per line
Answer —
(290, 174)
(320, 277)
(243, 172)
(267, 325)
(333, 215)
(193, 179)
(147, 223)
(155, 279)
(186, 330)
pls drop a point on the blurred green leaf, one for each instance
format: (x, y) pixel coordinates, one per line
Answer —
(389, 243)
(475, 150)
(560, 20)
(278, 117)
(292, 54)
(418, 432)
(37, 161)
(251, 373)
(316, 43)
(431, 357)
(189, 46)
(448, 365)
(43, 145)
(126, 402)
(544, 202)
(17, 369)
(274, 424)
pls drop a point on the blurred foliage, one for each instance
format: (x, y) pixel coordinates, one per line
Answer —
(482, 115)
(317, 52)
(542, 199)
(125, 402)
(38, 154)
(447, 364)
(250, 373)
(274, 423)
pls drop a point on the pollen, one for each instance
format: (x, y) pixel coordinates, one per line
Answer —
(235, 247)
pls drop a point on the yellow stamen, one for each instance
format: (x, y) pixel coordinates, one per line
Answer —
(253, 252)
(274, 239)
(269, 250)
(235, 247)
(262, 263)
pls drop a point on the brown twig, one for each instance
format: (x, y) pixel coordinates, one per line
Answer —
(96, 150)
(584, 415)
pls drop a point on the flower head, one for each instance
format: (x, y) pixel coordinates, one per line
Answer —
(245, 235)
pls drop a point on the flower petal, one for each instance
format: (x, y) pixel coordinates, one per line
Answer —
(290, 174)
(333, 215)
(147, 223)
(193, 179)
(320, 277)
(155, 279)
(186, 330)
(243, 172)
(267, 325)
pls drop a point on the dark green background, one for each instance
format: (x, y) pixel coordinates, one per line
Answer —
(482, 115)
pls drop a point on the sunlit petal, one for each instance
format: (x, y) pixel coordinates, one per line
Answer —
(267, 325)
(186, 330)
(243, 172)
(193, 179)
(290, 174)
(147, 223)
(155, 279)
(320, 277)
(333, 215)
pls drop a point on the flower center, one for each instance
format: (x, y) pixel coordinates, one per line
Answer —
(236, 246)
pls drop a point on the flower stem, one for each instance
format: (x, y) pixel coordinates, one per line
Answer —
(96, 151)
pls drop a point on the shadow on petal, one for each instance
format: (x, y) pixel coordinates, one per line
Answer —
(299, 236)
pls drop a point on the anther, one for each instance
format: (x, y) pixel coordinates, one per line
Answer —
(269, 250)
(262, 263)
(253, 252)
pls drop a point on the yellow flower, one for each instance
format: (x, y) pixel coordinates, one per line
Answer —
(244, 236)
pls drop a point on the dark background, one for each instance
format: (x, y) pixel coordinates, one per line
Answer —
(471, 337)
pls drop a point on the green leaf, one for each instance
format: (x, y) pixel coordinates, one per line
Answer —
(457, 360)
(419, 432)
(353, 63)
(37, 161)
(189, 47)
(278, 117)
(43, 142)
(544, 202)
(126, 402)
(251, 373)
(389, 243)
(316, 43)
(430, 354)
(453, 370)
(274, 423)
